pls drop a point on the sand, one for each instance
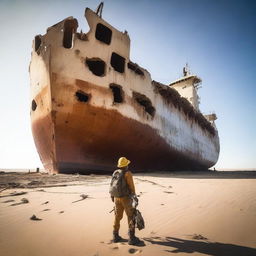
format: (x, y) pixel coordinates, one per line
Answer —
(211, 213)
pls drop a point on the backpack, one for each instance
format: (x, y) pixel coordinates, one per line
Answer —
(118, 184)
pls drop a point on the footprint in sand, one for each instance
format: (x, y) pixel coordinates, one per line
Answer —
(46, 210)
(199, 237)
(8, 201)
(83, 198)
(15, 194)
(33, 217)
(23, 201)
(134, 251)
(61, 212)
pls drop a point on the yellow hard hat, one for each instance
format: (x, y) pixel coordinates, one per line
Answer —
(122, 162)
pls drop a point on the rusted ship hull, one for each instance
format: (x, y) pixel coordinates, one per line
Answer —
(81, 124)
(92, 140)
(81, 149)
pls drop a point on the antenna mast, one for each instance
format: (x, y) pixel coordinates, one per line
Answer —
(186, 70)
(99, 9)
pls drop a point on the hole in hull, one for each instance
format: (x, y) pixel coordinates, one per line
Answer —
(96, 66)
(82, 96)
(33, 105)
(145, 102)
(70, 27)
(134, 67)
(117, 93)
(38, 42)
(117, 62)
(103, 33)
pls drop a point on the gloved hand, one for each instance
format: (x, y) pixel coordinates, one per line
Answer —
(112, 198)
(135, 201)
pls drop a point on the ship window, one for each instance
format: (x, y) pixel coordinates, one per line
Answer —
(135, 68)
(33, 105)
(117, 93)
(70, 27)
(145, 102)
(117, 62)
(37, 43)
(103, 33)
(82, 96)
(96, 66)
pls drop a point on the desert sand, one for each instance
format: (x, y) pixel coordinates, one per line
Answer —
(188, 213)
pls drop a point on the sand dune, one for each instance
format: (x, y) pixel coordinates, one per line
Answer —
(185, 214)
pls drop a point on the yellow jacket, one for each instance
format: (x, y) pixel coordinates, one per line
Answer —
(129, 181)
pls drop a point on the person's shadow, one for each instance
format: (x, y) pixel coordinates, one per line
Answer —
(206, 247)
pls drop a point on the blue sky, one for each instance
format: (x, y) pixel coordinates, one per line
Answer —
(216, 37)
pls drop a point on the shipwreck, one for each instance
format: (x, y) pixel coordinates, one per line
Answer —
(90, 104)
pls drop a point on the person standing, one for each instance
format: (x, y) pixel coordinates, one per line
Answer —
(122, 191)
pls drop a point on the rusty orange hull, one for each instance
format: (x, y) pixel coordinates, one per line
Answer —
(94, 140)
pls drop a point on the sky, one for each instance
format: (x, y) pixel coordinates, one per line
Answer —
(217, 38)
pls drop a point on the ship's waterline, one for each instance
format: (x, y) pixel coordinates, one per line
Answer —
(87, 111)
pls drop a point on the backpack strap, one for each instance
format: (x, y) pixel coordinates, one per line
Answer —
(122, 172)
(117, 171)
